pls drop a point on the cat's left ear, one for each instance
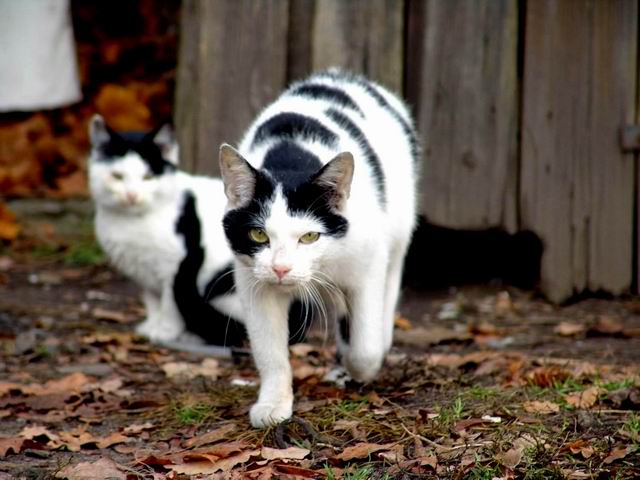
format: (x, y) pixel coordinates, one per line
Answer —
(165, 138)
(337, 175)
(238, 175)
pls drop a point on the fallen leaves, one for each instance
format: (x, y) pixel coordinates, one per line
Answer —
(208, 368)
(584, 399)
(543, 407)
(101, 468)
(363, 450)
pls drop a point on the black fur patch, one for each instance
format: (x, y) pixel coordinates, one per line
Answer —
(238, 222)
(356, 134)
(121, 143)
(343, 329)
(325, 92)
(199, 316)
(290, 164)
(407, 128)
(299, 321)
(221, 284)
(294, 125)
(315, 200)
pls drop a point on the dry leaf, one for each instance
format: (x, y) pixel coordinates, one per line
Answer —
(10, 445)
(402, 323)
(584, 399)
(209, 368)
(111, 315)
(363, 450)
(294, 453)
(544, 407)
(512, 457)
(421, 337)
(547, 377)
(568, 329)
(617, 454)
(102, 468)
(207, 468)
(211, 437)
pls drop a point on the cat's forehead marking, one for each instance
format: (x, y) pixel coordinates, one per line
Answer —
(281, 219)
(132, 163)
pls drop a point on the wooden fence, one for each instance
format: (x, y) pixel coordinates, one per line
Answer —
(519, 107)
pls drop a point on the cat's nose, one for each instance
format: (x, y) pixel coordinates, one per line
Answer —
(281, 270)
(132, 197)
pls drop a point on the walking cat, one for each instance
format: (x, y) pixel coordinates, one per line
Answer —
(321, 206)
(147, 220)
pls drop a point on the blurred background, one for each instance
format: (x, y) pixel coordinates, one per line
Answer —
(526, 111)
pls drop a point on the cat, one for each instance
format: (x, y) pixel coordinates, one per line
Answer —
(147, 220)
(321, 206)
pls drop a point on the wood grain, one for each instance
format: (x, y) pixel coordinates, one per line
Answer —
(463, 80)
(577, 187)
(365, 36)
(233, 57)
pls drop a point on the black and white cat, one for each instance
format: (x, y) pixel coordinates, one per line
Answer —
(147, 220)
(321, 205)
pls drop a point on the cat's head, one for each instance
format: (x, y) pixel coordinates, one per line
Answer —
(284, 231)
(131, 171)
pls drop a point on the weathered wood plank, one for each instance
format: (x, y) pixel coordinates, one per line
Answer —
(364, 36)
(233, 57)
(576, 184)
(463, 81)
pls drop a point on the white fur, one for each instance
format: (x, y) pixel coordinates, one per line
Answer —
(135, 224)
(364, 267)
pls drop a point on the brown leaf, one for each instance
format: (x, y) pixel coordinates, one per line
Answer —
(9, 229)
(584, 399)
(544, 407)
(421, 337)
(567, 328)
(112, 315)
(112, 439)
(582, 447)
(209, 368)
(546, 377)
(206, 467)
(102, 468)
(353, 426)
(607, 326)
(402, 323)
(293, 453)
(10, 444)
(38, 431)
(211, 437)
(617, 454)
(512, 457)
(297, 472)
(362, 450)
(428, 461)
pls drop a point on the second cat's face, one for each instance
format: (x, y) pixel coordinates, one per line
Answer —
(128, 184)
(131, 172)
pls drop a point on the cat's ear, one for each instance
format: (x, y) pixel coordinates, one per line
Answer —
(238, 175)
(165, 138)
(337, 175)
(99, 133)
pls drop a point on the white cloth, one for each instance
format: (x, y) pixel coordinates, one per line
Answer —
(38, 64)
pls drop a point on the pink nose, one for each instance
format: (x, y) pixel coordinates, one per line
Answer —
(132, 197)
(281, 271)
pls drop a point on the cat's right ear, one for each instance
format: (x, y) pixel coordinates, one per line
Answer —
(238, 175)
(99, 133)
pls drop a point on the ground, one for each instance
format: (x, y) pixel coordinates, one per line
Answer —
(483, 383)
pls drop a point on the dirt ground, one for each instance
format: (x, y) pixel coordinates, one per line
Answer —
(483, 383)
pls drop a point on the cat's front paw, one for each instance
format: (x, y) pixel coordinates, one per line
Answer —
(146, 328)
(268, 414)
(363, 367)
(160, 332)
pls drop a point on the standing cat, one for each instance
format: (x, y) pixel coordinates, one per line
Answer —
(321, 205)
(148, 222)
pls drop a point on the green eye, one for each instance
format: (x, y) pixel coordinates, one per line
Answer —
(117, 175)
(309, 237)
(258, 235)
(147, 176)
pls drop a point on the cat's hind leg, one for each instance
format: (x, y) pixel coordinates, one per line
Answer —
(152, 306)
(170, 324)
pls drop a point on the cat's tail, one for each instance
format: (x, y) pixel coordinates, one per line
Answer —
(200, 317)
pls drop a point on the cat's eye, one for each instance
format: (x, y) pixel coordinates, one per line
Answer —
(258, 235)
(117, 175)
(309, 237)
(148, 176)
